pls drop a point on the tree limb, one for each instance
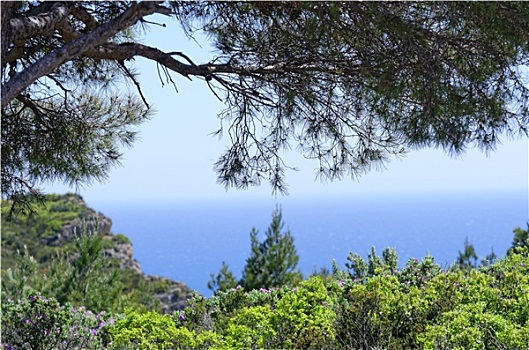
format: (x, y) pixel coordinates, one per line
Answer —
(131, 76)
(127, 51)
(44, 23)
(76, 48)
(81, 14)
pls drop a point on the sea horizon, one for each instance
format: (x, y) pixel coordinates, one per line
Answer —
(188, 239)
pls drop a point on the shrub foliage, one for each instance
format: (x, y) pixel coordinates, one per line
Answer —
(419, 306)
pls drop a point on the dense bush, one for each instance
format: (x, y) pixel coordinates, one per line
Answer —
(36, 322)
(416, 307)
(419, 306)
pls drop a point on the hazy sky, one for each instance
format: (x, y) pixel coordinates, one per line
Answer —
(174, 156)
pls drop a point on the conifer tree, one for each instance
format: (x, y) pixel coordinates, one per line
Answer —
(272, 262)
(467, 259)
(351, 84)
(223, 280)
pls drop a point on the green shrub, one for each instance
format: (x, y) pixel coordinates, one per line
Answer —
(304, 316)
(359, 270)
(355, 327)
(472, 327)
(491, 307)
(120, 239)
(418, 273)
(149, 330)
(36, 322)
(250, 328)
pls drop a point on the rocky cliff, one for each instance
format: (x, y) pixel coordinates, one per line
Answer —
(56, 226)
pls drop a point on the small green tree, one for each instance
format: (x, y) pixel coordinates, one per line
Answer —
(358, 268)
(468, 258)
(489, 259)
(223, 280)
(86, 278)
(272, 262)
(521, 238)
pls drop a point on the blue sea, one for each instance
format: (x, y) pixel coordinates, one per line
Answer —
(187, 240)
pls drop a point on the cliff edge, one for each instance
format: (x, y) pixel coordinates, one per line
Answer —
(55, 225)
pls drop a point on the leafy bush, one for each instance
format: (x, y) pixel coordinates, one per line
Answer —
(151, 330)
(304, 316)
(148, 330)
(420, 306)
(251, 328)
(491, 308)
(418, 273)
(265, 318)
(36, 322)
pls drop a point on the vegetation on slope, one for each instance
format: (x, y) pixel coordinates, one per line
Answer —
(65, 250)
(370, 304)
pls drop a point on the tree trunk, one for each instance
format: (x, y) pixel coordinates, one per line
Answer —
(75, 48)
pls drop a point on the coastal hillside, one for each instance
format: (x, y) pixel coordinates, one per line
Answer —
(53, 232)
(64, 290)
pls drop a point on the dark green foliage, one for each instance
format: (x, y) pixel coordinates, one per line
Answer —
(272, 262)
(70, 126)
(489, 259)
(521, 238)
(74, 143)
(224, 280)
(468, 258)
(89, 279)
(357, 83)
(352, 84)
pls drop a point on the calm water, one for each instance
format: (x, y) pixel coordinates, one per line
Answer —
(187, 241)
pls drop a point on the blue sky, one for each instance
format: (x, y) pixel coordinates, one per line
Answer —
(174, 156)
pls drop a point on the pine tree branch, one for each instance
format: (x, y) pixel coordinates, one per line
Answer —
(44, 23)
(127, 51)
(76, 48)
(81, 14)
